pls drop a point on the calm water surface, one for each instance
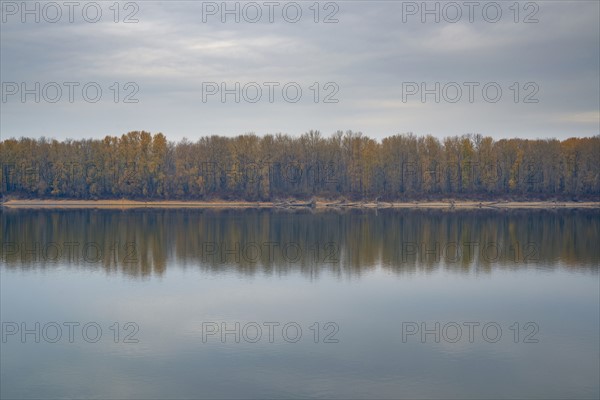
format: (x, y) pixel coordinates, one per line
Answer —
(234, 304)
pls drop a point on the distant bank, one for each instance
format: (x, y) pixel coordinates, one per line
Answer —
(459, 204)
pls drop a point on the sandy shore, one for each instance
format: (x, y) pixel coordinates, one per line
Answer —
(459, 204)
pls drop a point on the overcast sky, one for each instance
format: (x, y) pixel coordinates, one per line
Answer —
(374, 61)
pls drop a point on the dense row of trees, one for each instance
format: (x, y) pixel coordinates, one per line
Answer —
(141, 165)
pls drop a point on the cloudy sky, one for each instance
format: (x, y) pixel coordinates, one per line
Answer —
(371, 66)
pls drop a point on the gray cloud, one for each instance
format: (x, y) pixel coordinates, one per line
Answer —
(369, 53)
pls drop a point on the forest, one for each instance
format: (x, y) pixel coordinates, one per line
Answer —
(142, 165)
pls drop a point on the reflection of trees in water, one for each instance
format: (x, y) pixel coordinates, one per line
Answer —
(143, 242)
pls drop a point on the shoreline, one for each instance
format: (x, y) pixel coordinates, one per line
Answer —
(449, 204)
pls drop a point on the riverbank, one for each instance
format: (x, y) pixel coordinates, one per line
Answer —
(458, 204)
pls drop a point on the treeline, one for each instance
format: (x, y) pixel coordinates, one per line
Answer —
(139, 165)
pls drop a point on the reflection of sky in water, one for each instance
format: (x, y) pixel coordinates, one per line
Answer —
(368, 304)
(171, 359)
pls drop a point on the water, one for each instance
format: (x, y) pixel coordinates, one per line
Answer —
(340, 300)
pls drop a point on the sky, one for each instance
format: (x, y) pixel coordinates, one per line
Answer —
(191, 69)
